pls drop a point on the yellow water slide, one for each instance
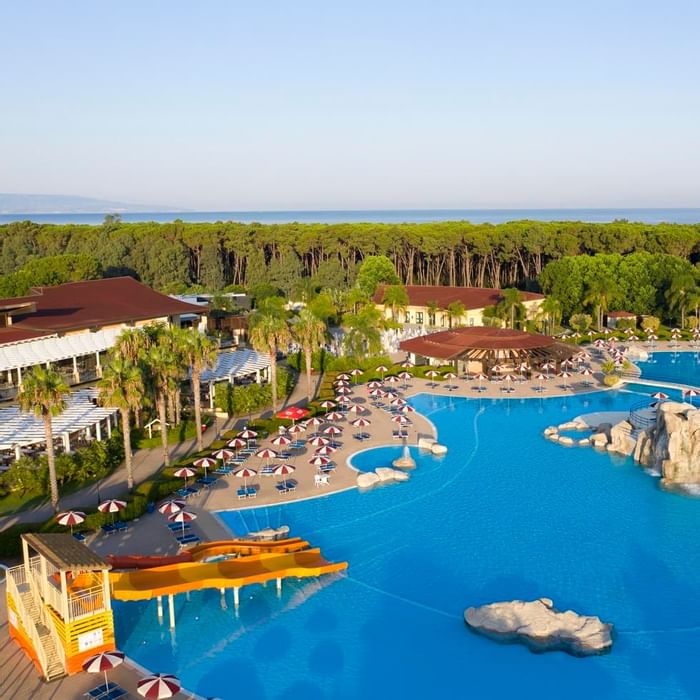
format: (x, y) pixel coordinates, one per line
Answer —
(229, 573)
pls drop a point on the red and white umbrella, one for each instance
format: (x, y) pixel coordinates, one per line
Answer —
(332, 430)
(406, 408)
(361, 422)
(112, 506)
(184, 473)
(182, 516)
(247, 434)
(281, 441)
(481, 377)
(319, 461)
(344, 376)
(343, 390)
(174, 505)
(405, 375)
(398, 401)
(374, 385)
(205, 463)
(376, 392)
(565, 376)
(319, 441)
(541, 378)
(296, 429)
(237, 443)
(70, 518)
(407, 364)
(401, 419)
(325, 450)
(381, 369)
(450, 375)
(283, 469)
(356, 408)
(315, 421)
(690, 394)
(245, 473)
(341, 382)
(432, 373)
(659, 395)
(224, 455)
(497, 368)
(393, 379)
(159, 686)
(101, 663)
(267, 454)
(356, 372)
(327, 404)
(343, 400)
(335, 415)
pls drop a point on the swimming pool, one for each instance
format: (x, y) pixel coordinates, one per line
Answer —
(505, 514)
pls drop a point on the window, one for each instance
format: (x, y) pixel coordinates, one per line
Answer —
(431, 319)
(419, 318)
(471, 321)
(408, 317)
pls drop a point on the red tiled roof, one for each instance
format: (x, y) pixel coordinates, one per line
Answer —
(471, 297)
(93, 303)
(447, 345)
(621, 314)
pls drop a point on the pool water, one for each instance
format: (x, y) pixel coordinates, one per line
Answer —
(681, 367)
(505, 514)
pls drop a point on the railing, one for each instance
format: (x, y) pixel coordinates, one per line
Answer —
(15, 578)
(87, 602)
(638, 419)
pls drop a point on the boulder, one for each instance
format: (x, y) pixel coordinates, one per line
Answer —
(367, 479)
(438, 449)
(584, 442)
(425, 443)
(389, 474)
(599, 440)
(622, 439)
(551, 430)
(571, 425)
(541, 627)
(674, 447)
(554, 437)
(566, 440)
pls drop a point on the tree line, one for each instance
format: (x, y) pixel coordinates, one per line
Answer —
(178, 255)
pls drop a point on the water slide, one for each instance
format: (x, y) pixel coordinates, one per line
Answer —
(144, 584)
(206, 550)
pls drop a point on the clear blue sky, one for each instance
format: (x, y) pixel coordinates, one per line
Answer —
(315, 105)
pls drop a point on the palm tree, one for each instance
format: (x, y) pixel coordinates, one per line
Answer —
(433, 307)
(491, 316)
(132, 345)
(43, 393)
(396, 298)
(162, 367)
(309, 331)
(200, 353)
(455, 311)
(551, 312)
(599, 290)
(683, 288)
(269, 330)
(121, 386)
(363, 331)
(512, 304)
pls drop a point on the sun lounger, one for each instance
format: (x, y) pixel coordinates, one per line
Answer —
(192, 490)
(188, 539)
(79, 536)
(479, 388)
(281, 487)
(291, 485)
(241, 493)
(252, 492)
(106, 692)
(177, 527)
(121, 526)
(207, 481)
(108, 529)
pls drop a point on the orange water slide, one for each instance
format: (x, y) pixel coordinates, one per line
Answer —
(246, 547)
(189, 576)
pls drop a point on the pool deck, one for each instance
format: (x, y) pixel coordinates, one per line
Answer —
(149, 535)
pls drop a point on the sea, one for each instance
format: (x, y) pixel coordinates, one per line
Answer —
(388, 216)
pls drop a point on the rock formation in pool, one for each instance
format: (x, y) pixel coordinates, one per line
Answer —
(541, 627)
(672, 445)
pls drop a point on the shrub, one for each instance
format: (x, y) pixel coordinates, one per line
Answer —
(611, 379)
(243, 400)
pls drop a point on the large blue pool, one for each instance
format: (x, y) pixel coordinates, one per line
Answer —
(505, 514)
(683, 367)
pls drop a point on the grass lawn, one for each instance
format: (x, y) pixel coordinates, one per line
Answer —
(176, 434)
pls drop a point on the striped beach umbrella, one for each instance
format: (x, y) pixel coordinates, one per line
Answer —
(344, 376)
(281, 441)
(565, 376)
(112, 505)
(382, 370)
(406, 408)
(185, 473)
(247, 435)
(541, 378)
(182, 516)
(267, 454)
(374, 385)
(335, 416)
(376, 392)
(224, 455)
(401, 420)
(659, 395)
(158, 686)
(70, 518)
(407, 364)
(205, 463)
(343, 401)
(432, 373)
(284, 469)
(325, 450)
(398, 401)
(356, 409)
(245, 473)
(319, 441)
(393, 379)
(101, 663)
(296, 429)
(343, 390)
(319, 461)
(333, 430)
(315, 421)
(327, 404)
(172, 506)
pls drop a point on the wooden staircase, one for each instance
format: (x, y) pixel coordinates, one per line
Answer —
(54, 665)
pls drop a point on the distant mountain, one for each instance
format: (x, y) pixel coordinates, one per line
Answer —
(69, 204)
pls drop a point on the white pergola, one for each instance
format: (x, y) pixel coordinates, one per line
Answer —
(54, 348)
(231, 365)
(18, 429)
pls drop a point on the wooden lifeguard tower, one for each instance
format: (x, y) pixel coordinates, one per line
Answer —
(59, 605)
